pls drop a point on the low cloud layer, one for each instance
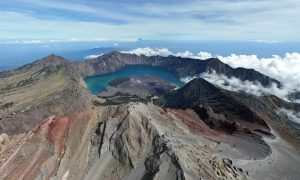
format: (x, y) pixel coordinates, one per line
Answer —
(92, 56)
(285, 69)
(164, 52)
(150, 52)
(235, 84)
(293, 116)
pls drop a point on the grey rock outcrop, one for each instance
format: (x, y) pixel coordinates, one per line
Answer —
(133, 141)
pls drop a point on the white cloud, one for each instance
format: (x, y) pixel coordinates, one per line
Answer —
(150, 52)
(267, 41)
(92, 56)
(204, 55)
(292, 115)
(237, 85)
(187, 79)
(164, 52)
(284, 69)
(201, 20)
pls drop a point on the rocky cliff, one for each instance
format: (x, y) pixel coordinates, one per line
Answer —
(133, 141)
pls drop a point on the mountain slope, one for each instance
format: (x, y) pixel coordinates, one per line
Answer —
(51, 60)
(215, 106)
(238, 110)
(272, 107)
(38, 90)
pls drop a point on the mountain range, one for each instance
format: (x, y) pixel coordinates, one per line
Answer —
(52, 127)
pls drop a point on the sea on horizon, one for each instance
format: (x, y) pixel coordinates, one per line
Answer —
(16, 54)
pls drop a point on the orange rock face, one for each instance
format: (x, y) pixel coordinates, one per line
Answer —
(196, 125)
(57, 134)
(50, 133)
(55, 130)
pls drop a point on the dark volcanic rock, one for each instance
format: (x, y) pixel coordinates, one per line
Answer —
(270, 106)
(136, 89)
(215, 107)
(142, 86)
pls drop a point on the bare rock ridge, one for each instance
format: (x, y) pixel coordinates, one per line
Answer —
(207, 100)
(133, 141)
(270, 106)
(237, 109)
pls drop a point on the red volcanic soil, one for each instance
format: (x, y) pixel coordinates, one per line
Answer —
(55, 130)
(36, 145)
(196, 125)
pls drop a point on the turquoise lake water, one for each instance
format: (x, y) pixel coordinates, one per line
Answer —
(99, 83)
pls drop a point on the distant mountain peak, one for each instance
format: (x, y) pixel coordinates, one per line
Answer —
(52, 59)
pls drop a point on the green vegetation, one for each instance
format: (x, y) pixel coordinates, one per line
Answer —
(27, 79)
(54, 84)
(31, 89)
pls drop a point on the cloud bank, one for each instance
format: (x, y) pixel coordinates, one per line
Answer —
(150, 52)
(164, 52)
(93, 56)
(293, 116)
(285, 69)
(235, 84)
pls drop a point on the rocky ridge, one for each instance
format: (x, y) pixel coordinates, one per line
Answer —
(133, 141)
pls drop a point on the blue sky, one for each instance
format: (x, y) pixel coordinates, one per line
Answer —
(126, 20)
